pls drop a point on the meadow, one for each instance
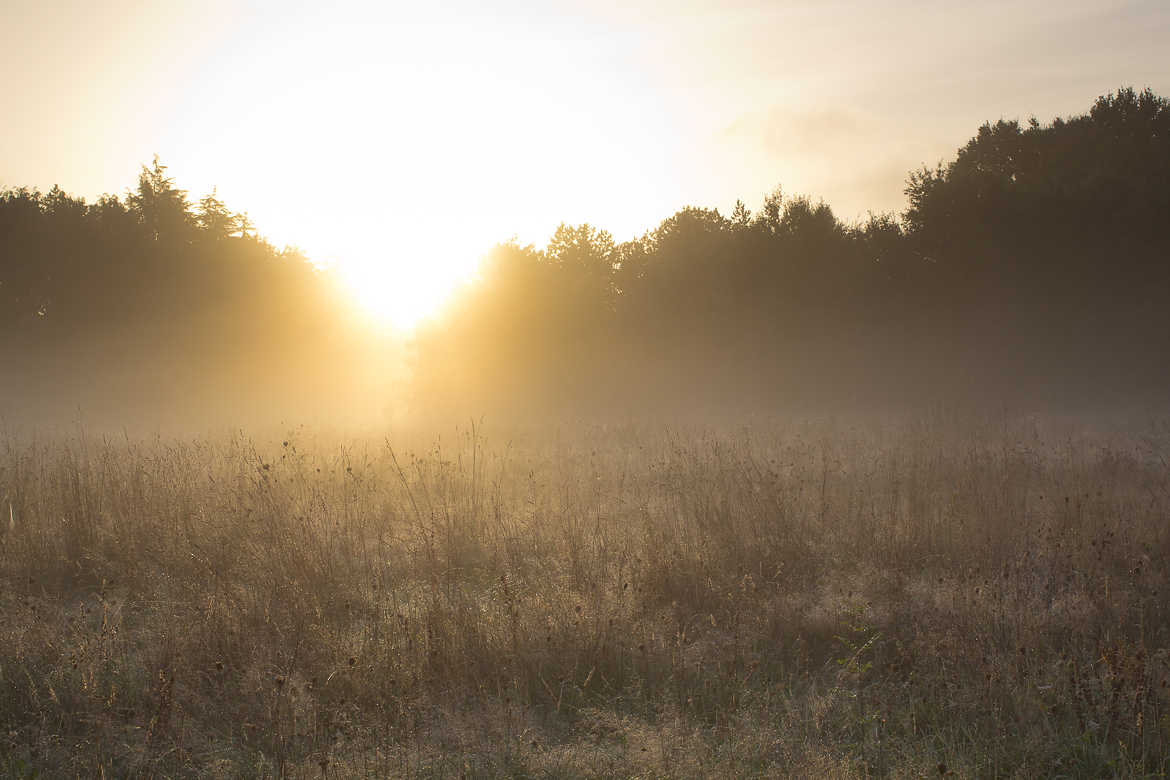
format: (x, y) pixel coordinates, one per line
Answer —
(957, 596)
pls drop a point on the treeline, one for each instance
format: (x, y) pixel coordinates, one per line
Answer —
(153, 304)
(1034, 267)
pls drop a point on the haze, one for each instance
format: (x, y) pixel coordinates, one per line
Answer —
(687, 389)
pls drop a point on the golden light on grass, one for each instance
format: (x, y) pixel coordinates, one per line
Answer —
(348, 589)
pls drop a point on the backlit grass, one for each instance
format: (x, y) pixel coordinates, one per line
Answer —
(982, 598)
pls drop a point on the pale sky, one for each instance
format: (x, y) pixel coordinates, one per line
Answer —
(407, 136)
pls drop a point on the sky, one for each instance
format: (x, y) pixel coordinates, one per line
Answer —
(403, 140)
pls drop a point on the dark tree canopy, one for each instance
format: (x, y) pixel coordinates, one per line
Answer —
(1034, 266)
(146, 302)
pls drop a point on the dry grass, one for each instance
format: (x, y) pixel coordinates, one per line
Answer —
(817, 599)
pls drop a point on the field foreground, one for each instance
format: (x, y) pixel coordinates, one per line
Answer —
(947, 596)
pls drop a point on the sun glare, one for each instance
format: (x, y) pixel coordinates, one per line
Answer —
(402, 294)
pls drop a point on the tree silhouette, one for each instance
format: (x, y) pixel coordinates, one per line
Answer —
(161, 207)
(1032, 265)
(145, 301)
(1030, 262)
(214, 219)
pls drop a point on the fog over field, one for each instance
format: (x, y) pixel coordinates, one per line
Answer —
(585, 390)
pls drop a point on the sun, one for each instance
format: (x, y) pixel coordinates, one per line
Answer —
(401, 293)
